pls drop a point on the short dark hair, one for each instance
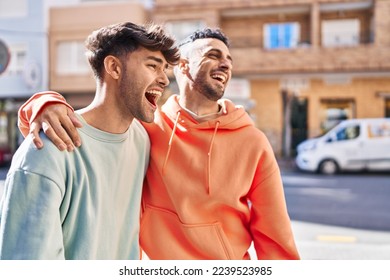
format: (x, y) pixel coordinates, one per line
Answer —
(206, 33)
(123, 38)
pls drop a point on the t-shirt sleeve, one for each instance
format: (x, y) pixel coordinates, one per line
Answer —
(34, 105)
(30, 222)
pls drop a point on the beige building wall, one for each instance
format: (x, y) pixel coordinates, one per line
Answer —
(210, 17)
(268, 109)
(382, 22)
(366, 94)
(362, 91)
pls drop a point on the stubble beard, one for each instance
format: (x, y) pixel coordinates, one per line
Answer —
(211, 92)
(131, 101)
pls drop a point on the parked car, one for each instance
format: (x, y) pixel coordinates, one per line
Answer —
(352, 145)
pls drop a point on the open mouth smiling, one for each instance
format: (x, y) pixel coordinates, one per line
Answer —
(152, 96)
(219, 77)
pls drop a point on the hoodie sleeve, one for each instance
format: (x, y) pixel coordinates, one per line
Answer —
(270, 224)
(34, 105)
(30, 223)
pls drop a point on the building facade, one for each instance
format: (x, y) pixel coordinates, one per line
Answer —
(306, 64)
(300, 66)
(23, 31)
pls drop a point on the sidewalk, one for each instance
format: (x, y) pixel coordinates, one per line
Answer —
(323, 242)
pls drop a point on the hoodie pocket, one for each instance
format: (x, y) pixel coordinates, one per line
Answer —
(164, 236)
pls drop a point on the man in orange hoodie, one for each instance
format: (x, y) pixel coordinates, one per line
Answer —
(213, 185)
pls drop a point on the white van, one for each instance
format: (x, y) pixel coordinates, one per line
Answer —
(355, 144)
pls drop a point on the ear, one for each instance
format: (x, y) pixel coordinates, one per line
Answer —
(113, 66)
(183, 65)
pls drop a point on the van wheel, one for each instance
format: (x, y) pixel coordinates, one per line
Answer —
(328, 167)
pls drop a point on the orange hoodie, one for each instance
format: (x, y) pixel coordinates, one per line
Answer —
(211, 189)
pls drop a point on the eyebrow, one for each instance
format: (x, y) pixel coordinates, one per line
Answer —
(158, 60)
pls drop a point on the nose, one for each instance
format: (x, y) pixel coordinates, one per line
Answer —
(163, 79)
(226, 63)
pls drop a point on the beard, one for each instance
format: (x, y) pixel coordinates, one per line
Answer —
(130, 100)
(211, 91)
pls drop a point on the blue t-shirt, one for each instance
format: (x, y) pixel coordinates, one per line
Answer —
(83, 204)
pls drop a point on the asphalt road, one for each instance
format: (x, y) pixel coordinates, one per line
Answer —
(350, 200)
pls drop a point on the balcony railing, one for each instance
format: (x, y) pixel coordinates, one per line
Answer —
(255, 60)
(245, 41)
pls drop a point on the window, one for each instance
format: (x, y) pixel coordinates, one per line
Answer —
(281, 35)
(71, 58)
(343, 32)
(14, 8)
(348, 133)
(181, 29)
(333, 111)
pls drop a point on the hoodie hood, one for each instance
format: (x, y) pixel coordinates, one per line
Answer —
(235, 117)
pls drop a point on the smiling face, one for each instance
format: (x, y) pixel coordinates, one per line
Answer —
(210, 67)
(142, 83)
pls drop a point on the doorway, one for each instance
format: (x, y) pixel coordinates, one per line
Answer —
(298, 122)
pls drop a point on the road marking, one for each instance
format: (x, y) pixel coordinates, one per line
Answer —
(337, 238)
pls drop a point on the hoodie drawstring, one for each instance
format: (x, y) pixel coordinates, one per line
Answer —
(209, 158)
(170, 142)
(208, 154)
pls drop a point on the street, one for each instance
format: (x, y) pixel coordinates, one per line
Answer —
(344, 216)
(340, 217)
(351, 200)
